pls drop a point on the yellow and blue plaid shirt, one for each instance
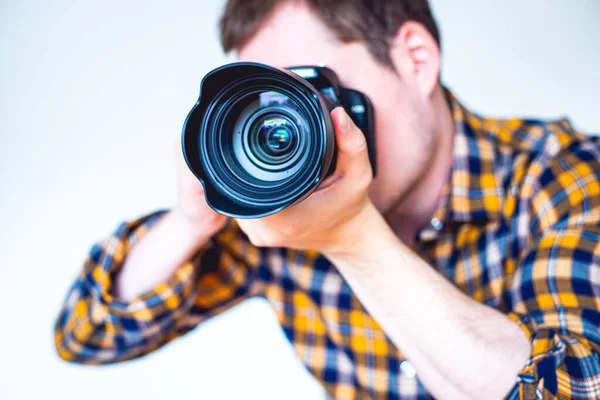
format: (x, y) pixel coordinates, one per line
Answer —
(517, 229)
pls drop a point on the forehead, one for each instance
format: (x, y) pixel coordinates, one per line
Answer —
(295, 36)
(292, 35)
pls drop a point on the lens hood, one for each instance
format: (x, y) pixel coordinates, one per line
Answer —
(259, 139)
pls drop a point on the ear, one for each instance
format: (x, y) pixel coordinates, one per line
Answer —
(416, 57)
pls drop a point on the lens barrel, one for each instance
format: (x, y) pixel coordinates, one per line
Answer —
(260, 139)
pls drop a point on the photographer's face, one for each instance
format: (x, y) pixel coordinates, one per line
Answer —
(405, 117)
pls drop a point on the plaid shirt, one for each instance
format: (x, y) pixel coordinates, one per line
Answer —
(517, 228)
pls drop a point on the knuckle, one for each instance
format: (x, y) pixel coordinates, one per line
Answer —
(368, 179)
(360, 150)
(363, 181)
(360, 145)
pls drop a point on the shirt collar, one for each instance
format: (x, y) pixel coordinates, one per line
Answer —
(473, 192)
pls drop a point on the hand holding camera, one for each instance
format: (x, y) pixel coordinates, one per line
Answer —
(263, 139)
(191, 203)
(335, 214)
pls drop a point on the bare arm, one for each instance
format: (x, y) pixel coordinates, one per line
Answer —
(147, 268)
(153, 260)
(460, 348)
(172, 240)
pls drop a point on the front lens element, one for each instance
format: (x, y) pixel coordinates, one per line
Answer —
(276, 135)
(270, 138)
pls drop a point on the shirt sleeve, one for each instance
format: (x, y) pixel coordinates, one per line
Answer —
(94, 327)
(555, 293)
(555, 301)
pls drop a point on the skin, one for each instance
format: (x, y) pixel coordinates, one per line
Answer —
(365, 227)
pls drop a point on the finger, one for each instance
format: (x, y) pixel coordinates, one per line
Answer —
(352, 154)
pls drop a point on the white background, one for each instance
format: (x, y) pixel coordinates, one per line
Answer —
(92, 96)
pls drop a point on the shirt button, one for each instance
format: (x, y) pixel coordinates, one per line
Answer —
(407, 369)
(436, 224)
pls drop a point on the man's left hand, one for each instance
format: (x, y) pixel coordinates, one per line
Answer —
(330, 218)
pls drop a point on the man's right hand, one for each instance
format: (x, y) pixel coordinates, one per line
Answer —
(192, 203)
(172, 241)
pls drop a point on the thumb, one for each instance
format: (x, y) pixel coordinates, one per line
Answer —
(351, 143)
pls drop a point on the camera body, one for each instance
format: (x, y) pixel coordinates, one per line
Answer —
(356, 104)
(261, 139)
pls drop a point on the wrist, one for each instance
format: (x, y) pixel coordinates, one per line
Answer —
(198, 231)
(359, 234)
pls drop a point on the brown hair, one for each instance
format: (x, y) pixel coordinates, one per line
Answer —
(374, 22)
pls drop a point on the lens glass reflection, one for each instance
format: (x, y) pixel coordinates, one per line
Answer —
(276, 135)
(270, 136)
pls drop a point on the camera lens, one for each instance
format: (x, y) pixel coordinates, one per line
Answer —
(276, 136)
(260, 139)
(269, 138)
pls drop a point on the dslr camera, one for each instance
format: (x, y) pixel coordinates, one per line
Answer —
(261, 139)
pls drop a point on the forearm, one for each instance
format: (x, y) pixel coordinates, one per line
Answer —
(153, 260)
(459, 347)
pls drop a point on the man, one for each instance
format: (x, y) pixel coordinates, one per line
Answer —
(467, 269)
